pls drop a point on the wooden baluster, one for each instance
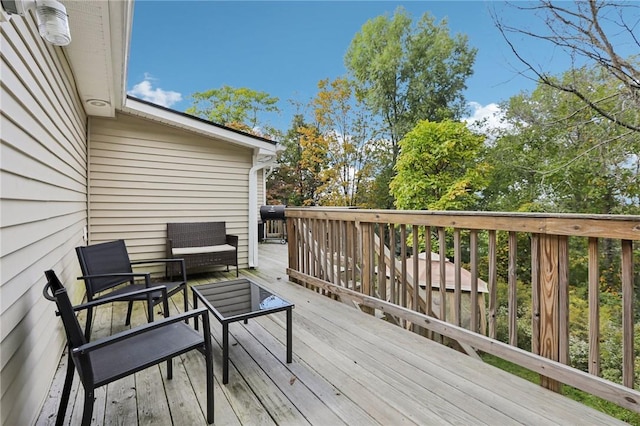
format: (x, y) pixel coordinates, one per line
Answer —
(416, 259)
(332, 252)
(513, 295)
(457, 292)
(403, 264)
(627, 314)
(415, 274)
(443, 273)
(535, 294)
(392, 263)
(382, 266)
(366, 270)
(594, 308)
(563, 299)
(429, 281)
(473, 242)
(350, 231)
(493, 284)
(354, 256)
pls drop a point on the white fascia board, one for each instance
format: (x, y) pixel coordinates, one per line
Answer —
(177, 119)
(121, 18)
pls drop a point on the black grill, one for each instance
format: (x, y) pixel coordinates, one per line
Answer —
(272, 212)
(273, 221)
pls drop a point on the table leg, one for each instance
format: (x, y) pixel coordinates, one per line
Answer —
(225, 353)
(195, 306)
(289, 335)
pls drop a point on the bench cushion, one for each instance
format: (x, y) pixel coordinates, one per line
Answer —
(181, 251)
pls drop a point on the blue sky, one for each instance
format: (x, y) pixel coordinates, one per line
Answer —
(285, 47)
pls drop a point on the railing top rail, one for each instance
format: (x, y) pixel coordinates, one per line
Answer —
(584, 225)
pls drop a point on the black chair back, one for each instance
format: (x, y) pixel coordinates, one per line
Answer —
(55, 291)
(104, 258)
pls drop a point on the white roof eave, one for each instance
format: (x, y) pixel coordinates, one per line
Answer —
(180, 120)
(100, 37)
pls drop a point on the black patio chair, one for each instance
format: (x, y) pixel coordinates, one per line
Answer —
(107, 265)
(111, 358)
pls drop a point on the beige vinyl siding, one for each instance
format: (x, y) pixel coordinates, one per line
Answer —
(144, 174)
(261, 190)
(43, 211)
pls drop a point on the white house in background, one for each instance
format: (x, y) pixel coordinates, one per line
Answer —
(82, 163)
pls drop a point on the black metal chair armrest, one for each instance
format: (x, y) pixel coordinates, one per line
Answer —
(91, 346)
(119, 297)
(119, 274)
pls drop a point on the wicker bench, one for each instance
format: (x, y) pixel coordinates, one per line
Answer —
(202, 245)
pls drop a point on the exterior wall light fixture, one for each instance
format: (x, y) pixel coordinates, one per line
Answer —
(51, 17)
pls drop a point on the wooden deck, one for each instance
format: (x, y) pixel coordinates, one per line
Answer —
(348, 368)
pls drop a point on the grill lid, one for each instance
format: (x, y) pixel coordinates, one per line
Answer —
(272, 212)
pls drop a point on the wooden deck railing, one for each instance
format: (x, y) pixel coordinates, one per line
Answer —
(364, 256)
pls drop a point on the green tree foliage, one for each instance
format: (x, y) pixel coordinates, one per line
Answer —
(347, 132)
(238, 108)
(558, 157)
(407, 73)
(440, 167)
(331, 159)
(376, 195)
(295, 180)
(314, 161)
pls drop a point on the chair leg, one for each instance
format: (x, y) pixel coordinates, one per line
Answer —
(150, 310)
(87, 325)
(210, 403)
(208, 365)
(170, 368)
(129, 310)
(186, 303)
(66, 390)
(88, 407)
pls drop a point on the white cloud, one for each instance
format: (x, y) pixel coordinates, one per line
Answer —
(487, 117)
(145, 91)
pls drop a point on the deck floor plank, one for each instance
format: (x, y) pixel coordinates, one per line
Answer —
(418, 375)
(347, 410)
(242, 366)
(275, 372)
(348, 367)
(334, 368)
(153, 409)
(410, 382)
(363, 361)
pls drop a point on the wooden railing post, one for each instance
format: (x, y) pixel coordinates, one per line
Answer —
(550, 306)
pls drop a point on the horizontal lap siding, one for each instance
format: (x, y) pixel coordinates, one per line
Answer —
(144, 174)
(43, 211)
(261, 190)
